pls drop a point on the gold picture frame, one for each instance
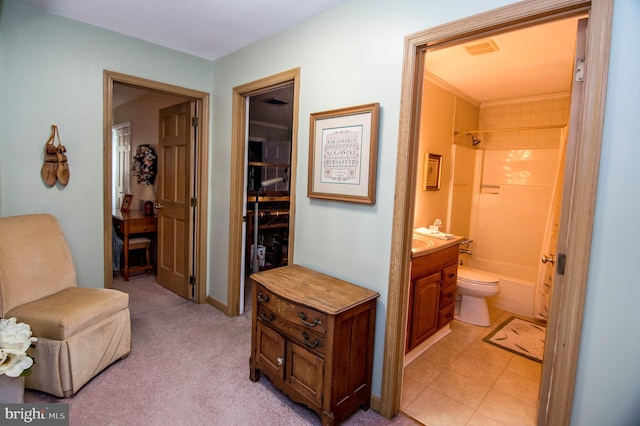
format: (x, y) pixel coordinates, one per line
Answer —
(432, 171)
(343, 148)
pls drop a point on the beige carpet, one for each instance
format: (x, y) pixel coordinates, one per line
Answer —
(189, 365)
(521, 337)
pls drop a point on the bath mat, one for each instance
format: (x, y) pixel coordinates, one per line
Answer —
(520, 337)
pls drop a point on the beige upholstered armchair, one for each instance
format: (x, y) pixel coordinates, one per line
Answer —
(80, 331)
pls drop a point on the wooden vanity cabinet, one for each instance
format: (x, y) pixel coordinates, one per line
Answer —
(423, 305)
(313, 336)
(432, 294)
(448, 294)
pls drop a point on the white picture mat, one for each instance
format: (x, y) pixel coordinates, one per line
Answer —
(326, 132)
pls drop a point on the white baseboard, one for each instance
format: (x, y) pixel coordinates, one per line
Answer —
(422, 347)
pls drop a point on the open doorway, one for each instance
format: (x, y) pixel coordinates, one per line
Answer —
(561, 352)
(509, 114)
(268, 174)
(272, 101)
(146, 97)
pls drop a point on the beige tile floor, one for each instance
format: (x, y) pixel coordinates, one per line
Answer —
(462, 380)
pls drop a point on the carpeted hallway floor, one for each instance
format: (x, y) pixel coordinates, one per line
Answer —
(189, 365)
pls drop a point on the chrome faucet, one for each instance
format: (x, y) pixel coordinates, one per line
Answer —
(465, 243)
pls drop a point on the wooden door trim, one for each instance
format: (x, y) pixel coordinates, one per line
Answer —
(561, 356)
(202, 177)
(238, 157)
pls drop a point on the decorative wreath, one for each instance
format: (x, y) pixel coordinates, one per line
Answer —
(145, 164)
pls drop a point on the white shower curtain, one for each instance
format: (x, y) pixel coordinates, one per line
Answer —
(544, 283)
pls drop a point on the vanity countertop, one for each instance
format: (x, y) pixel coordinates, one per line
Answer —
(422, 245)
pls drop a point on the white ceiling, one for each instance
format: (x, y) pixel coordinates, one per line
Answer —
(206, 28)
(530, 62)
(533, 61)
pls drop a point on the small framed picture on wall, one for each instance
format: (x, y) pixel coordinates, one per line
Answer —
(432, 172)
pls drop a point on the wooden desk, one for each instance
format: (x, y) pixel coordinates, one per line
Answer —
(128, 225)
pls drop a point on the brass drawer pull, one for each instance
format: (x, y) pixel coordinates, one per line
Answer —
(451, 275)
(262, 298)
(303, 317)
(316, 343)
(263, 315)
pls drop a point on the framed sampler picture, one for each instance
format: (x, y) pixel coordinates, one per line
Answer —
(343, 150)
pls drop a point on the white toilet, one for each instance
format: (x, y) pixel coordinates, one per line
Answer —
(474, 287)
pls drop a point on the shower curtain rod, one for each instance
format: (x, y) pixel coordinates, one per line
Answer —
(514, 129)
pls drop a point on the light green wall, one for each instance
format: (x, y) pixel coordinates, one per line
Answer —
(353, 55)
(51, 72)
(350, 55)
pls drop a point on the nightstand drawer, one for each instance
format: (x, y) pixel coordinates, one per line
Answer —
(299, 333)
(292, 312)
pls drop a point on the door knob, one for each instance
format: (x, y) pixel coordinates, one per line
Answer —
(158, 206)
(548, 259)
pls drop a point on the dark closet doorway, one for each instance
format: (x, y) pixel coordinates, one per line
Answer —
(263, 172)
(267, 180)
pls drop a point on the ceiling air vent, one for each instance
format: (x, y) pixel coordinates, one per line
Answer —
(276, 101)
(482, 47)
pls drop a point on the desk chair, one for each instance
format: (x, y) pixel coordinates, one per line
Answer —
(140, 243)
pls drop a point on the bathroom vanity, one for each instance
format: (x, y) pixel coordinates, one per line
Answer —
(432, 289)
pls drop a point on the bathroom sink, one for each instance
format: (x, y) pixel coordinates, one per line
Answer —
(419, 244)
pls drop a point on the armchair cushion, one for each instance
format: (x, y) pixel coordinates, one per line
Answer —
(74, 309)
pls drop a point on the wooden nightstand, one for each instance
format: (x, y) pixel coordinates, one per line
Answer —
(313, 335)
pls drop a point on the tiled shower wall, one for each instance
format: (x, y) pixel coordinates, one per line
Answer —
(516, 183)
(546, 111)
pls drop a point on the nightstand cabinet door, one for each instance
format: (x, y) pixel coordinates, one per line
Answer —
(271, 353)
(304, 372)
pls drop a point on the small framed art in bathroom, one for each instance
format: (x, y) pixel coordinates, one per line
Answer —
(432, 171)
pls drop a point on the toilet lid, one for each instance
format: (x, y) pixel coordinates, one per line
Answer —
(477, 277)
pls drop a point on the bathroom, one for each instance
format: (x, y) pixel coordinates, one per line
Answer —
(497, 137)
(497, 193)
(496, 186)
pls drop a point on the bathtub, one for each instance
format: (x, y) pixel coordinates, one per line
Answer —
(517, 294)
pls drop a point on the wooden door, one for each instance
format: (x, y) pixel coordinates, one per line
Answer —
(174, 199)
